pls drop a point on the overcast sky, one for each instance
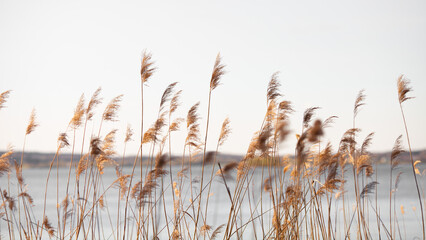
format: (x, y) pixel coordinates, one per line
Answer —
(326, 52)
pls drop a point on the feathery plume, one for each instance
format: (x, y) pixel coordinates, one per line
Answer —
(368, 189)
(273, 88)
(396, 151)
(267, 187)
(285, 107)
(151, 135)
(366, 143)
(364, 162)
(397, 179)
(332, 181)
(101, 201)
(63, 140)
(48, 227)
(301, 151)
(192, 116)
(217, 231)
(18, 170)
(307, 115)
(9, 200)
(166, 95)
(193, 137)
(106, 151)
(82, 165)
(264, 136)
(327, 122)
(359, 101)
(121, 182)
(403, 89)
(218, 71)
(95, 100)
(176, 235)
(205, 229)
(324, 158)
(347, 142)
(160, 160)
(315, 131)
(174, 126)
(174, 103)
(32, 123)
(129, 134)
(225, 131)
(5, 162)
(27, 196)
(78, 113)
(227, 168)
(3, 97)
(111, 109)
(147, 67)
(95, 148)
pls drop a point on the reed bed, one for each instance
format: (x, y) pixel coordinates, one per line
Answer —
(303, 197)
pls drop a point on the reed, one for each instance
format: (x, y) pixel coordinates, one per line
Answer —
(267, 195)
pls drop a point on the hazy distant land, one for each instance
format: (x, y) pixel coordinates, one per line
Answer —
(37, 159)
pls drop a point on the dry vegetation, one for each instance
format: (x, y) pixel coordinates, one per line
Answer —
(300, 195)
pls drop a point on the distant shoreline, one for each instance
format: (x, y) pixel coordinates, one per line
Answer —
(43, 160)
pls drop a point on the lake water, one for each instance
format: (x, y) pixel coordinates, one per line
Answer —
(219, 204)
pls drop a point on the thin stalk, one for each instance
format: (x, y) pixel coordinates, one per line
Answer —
(414, 172)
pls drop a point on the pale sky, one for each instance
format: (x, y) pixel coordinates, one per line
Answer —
(326, 52)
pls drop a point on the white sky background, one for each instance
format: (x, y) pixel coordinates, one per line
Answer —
(326, 51)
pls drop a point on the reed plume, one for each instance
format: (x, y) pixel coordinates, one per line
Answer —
(121, 182)
(48, 227)
(217, 231)
(19, 177)
(10, 200)
(359, 101)
(32, 123)
(27, 196)
(5, 162)
(227, 169)
(3, 97)
(111, 109)
(147, 66)
(205, 229)
(403, 89)
(327, 122)
(366, 143)
(63, 140)
(174, 103)
(348, 142)
(174, 126)
(315, 131)
(79, 111)
(94, 101)
(82, 165)
(95, 146)
(307, 116)
(218, 72)
(368, 189)
(332, 182)
(106, 151)
(193, 136)
(224, 132)
(166, 95)
(273, 88)
(396, 151)
(129, 134)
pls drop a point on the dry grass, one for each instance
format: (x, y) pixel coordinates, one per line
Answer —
(300, 198)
